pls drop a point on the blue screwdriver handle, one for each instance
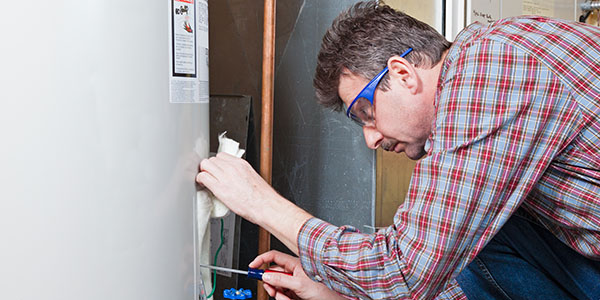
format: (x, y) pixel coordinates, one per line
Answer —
(258, 273)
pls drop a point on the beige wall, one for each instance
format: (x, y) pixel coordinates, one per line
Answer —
(394, 170)
(422, 10)
(393, 177)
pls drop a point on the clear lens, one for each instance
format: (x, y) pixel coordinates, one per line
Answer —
(362, 111)
(356, 120)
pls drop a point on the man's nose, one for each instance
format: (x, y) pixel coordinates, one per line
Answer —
(373, 137)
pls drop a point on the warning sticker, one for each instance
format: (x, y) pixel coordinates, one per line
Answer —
(184, 38)
(188, 49)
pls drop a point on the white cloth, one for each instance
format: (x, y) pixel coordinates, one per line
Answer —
(207, 206)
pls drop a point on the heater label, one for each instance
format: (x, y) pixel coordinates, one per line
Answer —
(188, 49)
(183, 29)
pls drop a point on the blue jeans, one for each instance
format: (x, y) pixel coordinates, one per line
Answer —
(526, 261)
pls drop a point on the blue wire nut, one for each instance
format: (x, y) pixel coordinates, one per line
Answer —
(237, 294)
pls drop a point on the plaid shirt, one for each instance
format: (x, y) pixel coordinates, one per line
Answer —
(517, 127)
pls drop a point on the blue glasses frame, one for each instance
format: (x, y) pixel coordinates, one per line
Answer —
(368, 92)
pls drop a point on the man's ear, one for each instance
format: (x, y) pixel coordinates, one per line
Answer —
(404, 73)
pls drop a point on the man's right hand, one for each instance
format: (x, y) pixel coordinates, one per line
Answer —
(297, 286)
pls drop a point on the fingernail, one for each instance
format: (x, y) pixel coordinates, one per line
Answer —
(266, 277)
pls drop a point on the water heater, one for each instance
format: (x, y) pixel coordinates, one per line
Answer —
(103, 121)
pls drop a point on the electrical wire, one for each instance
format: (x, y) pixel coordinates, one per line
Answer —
(215, 263)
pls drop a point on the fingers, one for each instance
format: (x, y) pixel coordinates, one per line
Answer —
(233, 160)
(282, 281)
(270, 290)
(210, 170)
(281, 296)
(211, 165)
(227, 156)
(287, 261)
(205, 179)
(275, 283)
(277, 268)
(218, 164)
(275, 293)
(264, 258)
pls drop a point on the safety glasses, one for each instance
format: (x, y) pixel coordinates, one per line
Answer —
(361, 110)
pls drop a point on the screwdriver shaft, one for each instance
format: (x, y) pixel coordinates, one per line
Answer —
(225, 269)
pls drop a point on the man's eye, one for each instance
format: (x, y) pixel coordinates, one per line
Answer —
(363, 110)
(369, 116)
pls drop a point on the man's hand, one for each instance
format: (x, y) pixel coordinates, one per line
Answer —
(297, 286)
(238, 186)
(234, 182)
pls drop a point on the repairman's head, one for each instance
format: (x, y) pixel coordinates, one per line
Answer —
(374, 52)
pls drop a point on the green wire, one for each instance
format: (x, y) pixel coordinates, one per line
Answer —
(215, 271)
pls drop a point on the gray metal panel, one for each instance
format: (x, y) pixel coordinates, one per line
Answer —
(229, 113)
(320, 160)
(232, 114)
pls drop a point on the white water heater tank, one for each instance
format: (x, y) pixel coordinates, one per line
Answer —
(103, 121)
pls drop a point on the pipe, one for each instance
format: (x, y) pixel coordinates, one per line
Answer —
(589, 6)
(266, 136)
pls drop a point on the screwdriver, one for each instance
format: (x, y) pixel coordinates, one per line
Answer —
(251, 273)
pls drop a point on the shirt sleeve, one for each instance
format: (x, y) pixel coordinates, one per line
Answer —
(501, 118)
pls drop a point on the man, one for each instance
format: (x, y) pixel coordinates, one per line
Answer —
(506, 202)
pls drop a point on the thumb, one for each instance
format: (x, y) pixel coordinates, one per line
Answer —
(281, 281)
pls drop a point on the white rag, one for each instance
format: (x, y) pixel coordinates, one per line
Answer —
(208, 206)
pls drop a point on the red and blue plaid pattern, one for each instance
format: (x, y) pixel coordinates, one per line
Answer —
(517, 127)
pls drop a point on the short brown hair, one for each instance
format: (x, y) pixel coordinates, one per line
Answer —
(363, 38)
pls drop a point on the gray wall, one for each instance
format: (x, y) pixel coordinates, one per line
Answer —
(320, 160)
